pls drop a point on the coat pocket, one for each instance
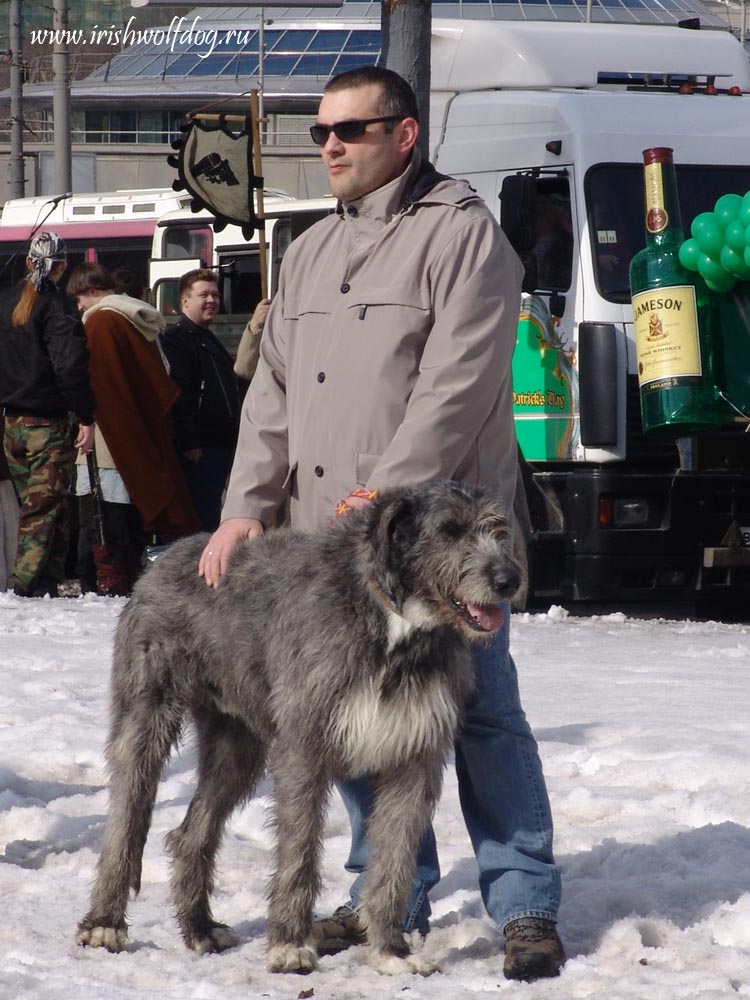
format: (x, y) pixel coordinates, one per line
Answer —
(291, 473)
(403, 306)
(307, 305)
(364, 463)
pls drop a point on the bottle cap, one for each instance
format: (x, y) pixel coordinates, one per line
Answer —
(658, 154)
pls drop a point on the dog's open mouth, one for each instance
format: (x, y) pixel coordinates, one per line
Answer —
(480, 617)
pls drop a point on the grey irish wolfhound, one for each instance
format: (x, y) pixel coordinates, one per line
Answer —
(320, 656)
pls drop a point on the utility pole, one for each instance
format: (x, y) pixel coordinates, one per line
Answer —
(16, 180)
(61, 99)
(406, 29)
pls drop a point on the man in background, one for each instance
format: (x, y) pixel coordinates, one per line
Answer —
(206, 414)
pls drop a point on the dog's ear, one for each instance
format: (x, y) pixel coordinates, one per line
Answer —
(392, 536)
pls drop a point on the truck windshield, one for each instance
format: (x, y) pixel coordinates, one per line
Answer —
(615, 209)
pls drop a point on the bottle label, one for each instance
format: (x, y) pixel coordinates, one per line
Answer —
(657, 218)
(666, 337)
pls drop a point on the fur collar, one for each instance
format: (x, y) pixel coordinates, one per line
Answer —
(147, 320)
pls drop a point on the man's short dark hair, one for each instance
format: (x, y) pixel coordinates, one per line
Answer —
(127, 282)
(89, 277)
(188, 279)
(397, 98)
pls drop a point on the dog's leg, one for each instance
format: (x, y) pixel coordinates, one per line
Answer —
(231, 762)
(142, 735)
(301, 793)
(405, 801)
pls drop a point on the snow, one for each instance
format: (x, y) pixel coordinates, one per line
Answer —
(643, 729)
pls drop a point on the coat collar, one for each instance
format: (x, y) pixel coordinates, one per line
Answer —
(419, 183)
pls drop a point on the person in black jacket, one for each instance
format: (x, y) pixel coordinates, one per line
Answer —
(44, 388)
(206, 415)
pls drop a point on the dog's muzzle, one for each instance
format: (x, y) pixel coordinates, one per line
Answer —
(482, 618)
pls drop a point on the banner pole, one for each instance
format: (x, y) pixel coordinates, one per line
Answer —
(258, 170)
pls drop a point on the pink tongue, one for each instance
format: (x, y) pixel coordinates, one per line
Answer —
(488, 617)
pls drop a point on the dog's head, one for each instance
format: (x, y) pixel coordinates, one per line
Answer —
(442, 553)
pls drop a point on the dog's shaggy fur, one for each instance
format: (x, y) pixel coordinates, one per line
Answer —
(322, 656)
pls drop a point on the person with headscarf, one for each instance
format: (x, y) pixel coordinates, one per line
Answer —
(44, 392)
(142, 489)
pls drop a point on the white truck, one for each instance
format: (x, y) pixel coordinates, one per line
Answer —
(548, 122)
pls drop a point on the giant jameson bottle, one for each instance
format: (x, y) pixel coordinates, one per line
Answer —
(675, 317)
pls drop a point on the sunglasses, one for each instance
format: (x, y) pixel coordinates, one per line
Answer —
(347, 131)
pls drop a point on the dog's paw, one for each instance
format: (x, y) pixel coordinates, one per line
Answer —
(394, 965)
(114, 939)
(209, 941)
(290, 958)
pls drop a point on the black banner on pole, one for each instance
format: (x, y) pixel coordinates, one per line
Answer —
(215, 165)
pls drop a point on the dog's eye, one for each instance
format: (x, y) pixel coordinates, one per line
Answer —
(494, 526)
(451, 529)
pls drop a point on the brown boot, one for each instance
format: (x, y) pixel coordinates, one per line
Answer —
(533, 950)
(338, 932)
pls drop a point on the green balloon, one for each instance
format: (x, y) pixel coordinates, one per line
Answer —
(734, 263)
(744, 212)
(727, 208)
(735, 236)
(746, 255)
(690, 252)
(710, 268)
(725, 284)
(705, 230)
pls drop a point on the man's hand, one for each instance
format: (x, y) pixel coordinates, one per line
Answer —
(356, 500)
(258, 319)
(85, 440)
(215, 557)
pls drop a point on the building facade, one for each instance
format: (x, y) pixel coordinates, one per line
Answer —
(138, 72)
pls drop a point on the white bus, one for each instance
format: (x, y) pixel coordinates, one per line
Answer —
(116, 229)
(184, 240)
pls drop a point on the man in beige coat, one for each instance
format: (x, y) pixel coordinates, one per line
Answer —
(386, 360)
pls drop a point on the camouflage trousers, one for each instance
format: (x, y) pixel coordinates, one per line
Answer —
(40, 456)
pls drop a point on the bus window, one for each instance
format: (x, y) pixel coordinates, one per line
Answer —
(128, 251)
(239, 282)
(280, 240)
(188, 241)
(134, 258)
(166, 297)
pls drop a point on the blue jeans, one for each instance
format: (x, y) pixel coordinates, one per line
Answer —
(503, 799)
(206, 480)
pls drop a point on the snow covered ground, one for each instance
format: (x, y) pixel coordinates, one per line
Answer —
(644, 728)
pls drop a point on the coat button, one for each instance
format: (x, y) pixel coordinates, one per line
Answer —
(321, 376)
(352, 211)
(319, 471)
(345, 287)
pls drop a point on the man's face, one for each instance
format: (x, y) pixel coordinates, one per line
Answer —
(356, 168)
(200, 302)
(88, 299)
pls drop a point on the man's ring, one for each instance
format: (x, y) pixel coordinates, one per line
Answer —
(210, 552)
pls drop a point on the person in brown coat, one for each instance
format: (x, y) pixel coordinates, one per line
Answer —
(142, 489)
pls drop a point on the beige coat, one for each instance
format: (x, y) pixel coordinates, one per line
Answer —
(386, 356)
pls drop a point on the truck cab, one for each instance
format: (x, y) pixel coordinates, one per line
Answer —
(548, 122)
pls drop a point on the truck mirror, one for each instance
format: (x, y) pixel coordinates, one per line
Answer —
(530, 273)
(518, 211)
(557, 305)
